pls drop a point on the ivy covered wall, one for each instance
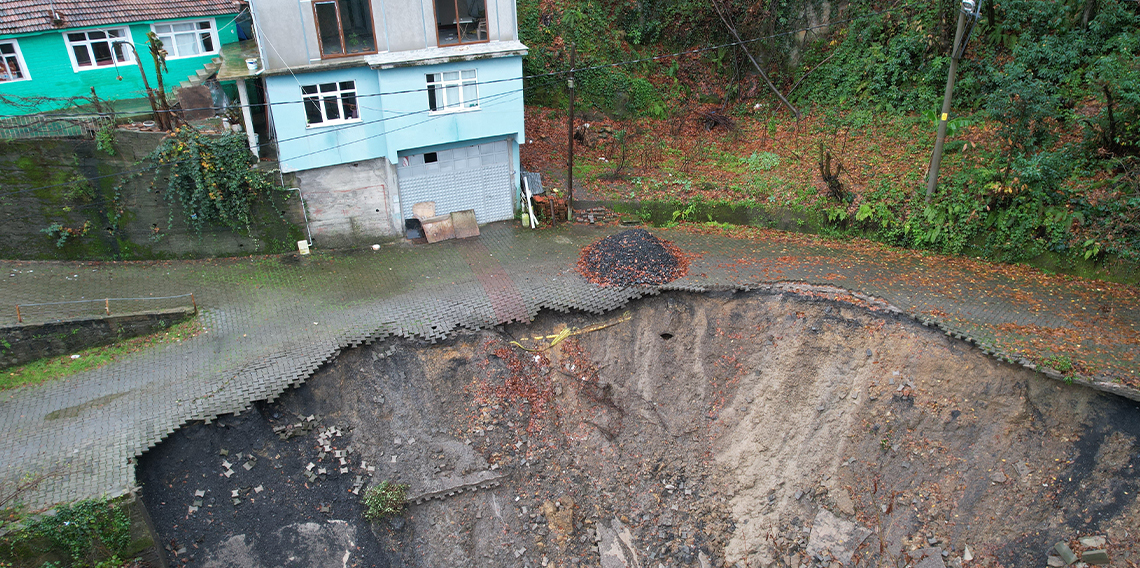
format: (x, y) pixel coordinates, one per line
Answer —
(68, 199)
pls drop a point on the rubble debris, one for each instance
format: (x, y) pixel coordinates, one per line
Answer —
(1099, 556)
(1065, 552)
(835, 536)
(633, 257)
(615, 545)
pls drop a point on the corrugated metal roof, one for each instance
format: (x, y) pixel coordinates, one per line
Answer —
(23, 16)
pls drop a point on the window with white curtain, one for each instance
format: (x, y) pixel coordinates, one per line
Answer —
(187, 39)
(452, 91)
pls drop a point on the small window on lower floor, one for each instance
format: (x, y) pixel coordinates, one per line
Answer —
(430, 158)
(330, 103)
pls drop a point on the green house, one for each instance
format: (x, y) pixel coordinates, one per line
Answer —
(52, 51)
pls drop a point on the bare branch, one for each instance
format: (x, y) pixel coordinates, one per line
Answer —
(724, 14)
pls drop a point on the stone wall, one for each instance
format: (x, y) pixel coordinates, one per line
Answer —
(21, 344)
(73, 183)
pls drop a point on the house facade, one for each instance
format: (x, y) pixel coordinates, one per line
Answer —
(63, 48)
(377, 105)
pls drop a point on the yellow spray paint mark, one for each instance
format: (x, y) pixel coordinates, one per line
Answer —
(568, 332)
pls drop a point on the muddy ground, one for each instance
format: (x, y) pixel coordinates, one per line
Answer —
(750, 429)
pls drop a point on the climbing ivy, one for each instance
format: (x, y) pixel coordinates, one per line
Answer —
(86, 531)
(63, 234)
(211, 177)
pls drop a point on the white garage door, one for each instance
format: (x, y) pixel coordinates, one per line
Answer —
(472, 177)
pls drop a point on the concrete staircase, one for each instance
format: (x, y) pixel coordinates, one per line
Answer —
(200, 76)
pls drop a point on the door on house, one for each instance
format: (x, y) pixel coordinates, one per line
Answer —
(470, 177)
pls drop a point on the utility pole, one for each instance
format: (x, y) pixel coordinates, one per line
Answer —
(570, 139)
(970, 9)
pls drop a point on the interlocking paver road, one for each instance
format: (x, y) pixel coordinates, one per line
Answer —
(272, 321)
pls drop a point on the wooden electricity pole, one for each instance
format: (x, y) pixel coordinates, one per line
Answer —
(968, 10)
(570, 139)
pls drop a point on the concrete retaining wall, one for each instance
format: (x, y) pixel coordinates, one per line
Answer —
(350, 204)
(21, 344)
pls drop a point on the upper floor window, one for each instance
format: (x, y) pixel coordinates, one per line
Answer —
(344, 27)
(11, 62)
(461, 21)
(453, 90)
(187, 39)
(330, 103)
(99, 48)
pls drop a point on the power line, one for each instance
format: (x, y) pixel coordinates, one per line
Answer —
(321, 132)
(590, 68)
(429, 119)
(548, 74)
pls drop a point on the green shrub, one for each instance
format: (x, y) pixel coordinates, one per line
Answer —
(89, 532)
(762, 161)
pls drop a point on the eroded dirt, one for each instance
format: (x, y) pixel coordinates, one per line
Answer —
(698, 431)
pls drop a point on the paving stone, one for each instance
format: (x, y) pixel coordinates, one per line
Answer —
(1099, 556)
(1066, 553)
(252, 350)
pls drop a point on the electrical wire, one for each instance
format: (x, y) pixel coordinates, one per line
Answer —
(315, 133)
(325, 131)
(589, 68)
(152, 167)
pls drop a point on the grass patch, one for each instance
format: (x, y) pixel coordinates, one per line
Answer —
(53, 368)
(384, 500)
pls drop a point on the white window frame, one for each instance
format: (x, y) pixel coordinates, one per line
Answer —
(124, 37)
(19, 61)
(171, 46)
(444, 85)
(323, 96)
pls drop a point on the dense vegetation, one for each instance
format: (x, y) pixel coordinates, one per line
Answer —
(1047, 104)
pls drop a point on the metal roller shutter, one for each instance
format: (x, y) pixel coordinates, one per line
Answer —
(472, 177)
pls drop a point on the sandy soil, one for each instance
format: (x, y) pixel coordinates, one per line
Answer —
(724, 429)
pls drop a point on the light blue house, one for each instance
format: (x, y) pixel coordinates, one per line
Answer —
(54, 50)
(377, 105)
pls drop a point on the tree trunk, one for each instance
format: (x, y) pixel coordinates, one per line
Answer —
(159, 56)
(1088, 13)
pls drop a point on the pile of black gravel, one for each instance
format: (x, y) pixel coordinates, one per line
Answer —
(630, 258)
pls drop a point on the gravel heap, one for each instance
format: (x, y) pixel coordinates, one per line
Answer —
(633, 257)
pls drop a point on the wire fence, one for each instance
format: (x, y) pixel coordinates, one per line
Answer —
(100, 307)
(52, 126)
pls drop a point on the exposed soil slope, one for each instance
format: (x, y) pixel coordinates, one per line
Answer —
(715, 429)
